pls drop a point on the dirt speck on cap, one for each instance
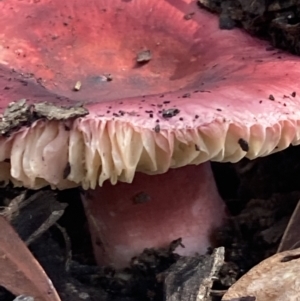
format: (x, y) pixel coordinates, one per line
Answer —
(157, 128)
(144, 56)
(243, 144)
(189, 16)
(169, 113)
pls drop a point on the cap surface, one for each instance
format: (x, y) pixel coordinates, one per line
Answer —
(203, 93)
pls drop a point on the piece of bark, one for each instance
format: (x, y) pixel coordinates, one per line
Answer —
(191, 278)
(291, 239)
(20, 113)
(21, 274)
(276, 278)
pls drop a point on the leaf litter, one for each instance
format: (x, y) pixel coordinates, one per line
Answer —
(22, 113)
(276, 278)
(20, 271)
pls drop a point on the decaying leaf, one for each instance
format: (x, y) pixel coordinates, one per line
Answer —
(21, 113)
(274, 279)
(191, 278)
(33, 216)
(21, 274)
(23, 298)
(291, 239)
(12, 209)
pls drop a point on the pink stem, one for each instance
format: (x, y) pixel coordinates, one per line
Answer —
(153, 211)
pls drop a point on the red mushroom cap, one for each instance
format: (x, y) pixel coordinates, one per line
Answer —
(209, 94)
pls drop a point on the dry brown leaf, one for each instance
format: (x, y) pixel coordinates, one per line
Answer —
(20, 273)
(274, 279)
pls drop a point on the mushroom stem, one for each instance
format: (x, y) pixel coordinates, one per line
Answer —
(151, 212)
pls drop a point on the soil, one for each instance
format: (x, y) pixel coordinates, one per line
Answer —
(275, 20)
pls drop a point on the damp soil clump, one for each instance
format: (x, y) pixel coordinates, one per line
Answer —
(261, 196)
(275, 20)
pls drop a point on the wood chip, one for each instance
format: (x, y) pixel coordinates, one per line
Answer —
(77, 86)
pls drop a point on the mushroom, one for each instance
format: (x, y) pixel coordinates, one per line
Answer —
(142, 152)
